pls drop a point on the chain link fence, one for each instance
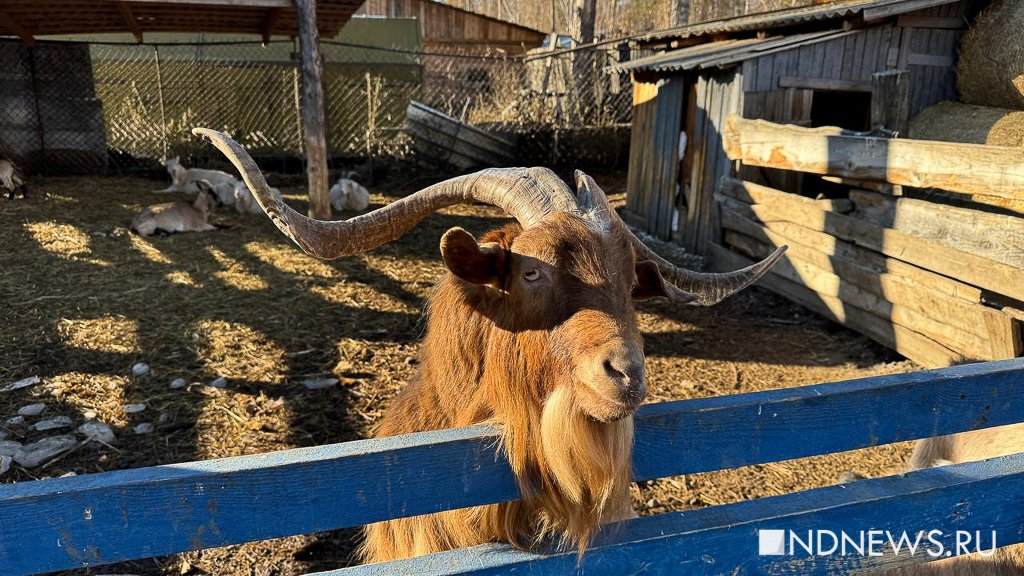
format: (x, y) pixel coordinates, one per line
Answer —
(143, 100)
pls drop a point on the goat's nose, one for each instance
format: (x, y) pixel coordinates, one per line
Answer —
(626, 368)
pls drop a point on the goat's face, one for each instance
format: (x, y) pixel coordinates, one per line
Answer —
(174, 168)
(573, 280)
(206, 199)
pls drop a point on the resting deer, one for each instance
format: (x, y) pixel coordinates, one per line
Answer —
(177, 216)
(184, 179)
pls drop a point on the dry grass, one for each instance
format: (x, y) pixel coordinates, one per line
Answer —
(957, 122)
(82, 301)
(990, 71)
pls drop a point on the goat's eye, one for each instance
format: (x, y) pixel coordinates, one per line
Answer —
(531, 275)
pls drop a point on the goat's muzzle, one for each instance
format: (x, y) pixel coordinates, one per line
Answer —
(613, 381)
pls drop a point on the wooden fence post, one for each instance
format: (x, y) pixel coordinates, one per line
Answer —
(889, 101)
(313, 123)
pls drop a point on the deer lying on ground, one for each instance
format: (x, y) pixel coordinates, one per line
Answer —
(187, 180)
(347, 194)
(11, 179)
(177, 216)
(533, 330)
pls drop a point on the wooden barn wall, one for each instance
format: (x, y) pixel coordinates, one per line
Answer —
(653, 166)
(717, 95)
(928, 53)
(442, 23)
(915, 42)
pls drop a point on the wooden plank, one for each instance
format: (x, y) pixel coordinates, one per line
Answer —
(1004, 335)
(921, 349)
(234, 3)
(890, 101)
(970, 268)
(670, 107)
(885, 11)
(824, 84)
(908, 289)
(314, 127)
(698, 137)
(857, 56)
(931, 60)
(839, 251)
(906, 41)
(964, 168)
(881, 187)
(448, 140)
(945, 331)
(644, 95)
(998, 237)
(945, 23)
(114, 516)
(723, 539)
(873, 43)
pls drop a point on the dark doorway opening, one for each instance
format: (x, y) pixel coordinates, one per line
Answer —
(849, 110)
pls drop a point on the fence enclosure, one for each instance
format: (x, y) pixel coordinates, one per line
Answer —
(107, 517)
(153, 94)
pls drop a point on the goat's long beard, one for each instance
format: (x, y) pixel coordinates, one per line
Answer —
(585, 468)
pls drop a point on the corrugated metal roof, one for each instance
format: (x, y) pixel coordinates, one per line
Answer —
(871, 9)
(722, 53)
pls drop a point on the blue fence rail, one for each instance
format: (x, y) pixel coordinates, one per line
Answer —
(123, 515)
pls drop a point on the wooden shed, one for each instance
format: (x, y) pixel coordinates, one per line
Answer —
(466, 52)
(449, 29)
(872, 245)
(812, 66)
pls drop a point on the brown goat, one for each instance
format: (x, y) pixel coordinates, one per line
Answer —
(534, 332)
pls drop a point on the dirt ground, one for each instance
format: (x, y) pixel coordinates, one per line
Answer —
(82, 300)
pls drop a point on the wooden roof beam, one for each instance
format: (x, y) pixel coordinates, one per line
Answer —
(129, 20)
(7, 21)
(222, 3)
(268, 24)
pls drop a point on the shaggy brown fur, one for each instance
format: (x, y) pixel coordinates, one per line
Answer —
(970, 447)
(519, 354)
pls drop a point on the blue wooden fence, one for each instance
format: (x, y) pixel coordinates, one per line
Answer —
(114, 516)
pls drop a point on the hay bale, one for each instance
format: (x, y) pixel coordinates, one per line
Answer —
(956, 122)
(991, 67)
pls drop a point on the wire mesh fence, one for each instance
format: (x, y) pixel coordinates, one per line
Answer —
(146, 99)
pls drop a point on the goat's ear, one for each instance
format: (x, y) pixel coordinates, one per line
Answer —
(480, 264)
(649, 282)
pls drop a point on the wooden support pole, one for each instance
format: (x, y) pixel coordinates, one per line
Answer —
(963, 168)
(313, 123)
(129, 20)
